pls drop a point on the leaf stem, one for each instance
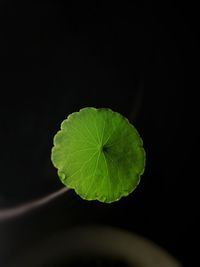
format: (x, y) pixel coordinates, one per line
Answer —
(12, 213)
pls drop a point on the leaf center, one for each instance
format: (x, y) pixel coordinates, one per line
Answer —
(104, 148)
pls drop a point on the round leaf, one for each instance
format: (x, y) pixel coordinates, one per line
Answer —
(99, 154)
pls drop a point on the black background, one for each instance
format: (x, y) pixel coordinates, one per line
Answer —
(56, 58)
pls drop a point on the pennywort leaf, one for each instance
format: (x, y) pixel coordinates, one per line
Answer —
(99, 154)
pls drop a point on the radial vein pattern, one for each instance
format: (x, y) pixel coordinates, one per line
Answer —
(99, 154)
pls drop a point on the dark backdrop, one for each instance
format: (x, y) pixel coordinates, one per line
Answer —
(138, 59)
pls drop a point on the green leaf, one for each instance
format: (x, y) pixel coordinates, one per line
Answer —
(99, 154)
